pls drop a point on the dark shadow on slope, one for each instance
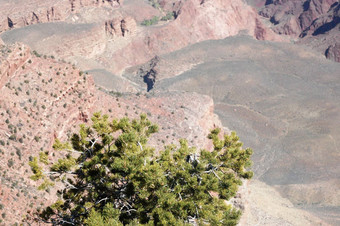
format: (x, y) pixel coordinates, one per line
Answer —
(327, 27)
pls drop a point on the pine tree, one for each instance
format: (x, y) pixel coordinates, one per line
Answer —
(112, 177)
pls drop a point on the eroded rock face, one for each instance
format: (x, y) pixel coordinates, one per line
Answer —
(120, 27)
(195, 21)
(312, 22)
(149, 73)
(49, 14)
(324, 23)
(20, 13)
(292, 17)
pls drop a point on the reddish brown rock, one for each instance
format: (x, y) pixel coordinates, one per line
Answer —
(40, 99)
(312, 22)
(291, 17)
(195, 21)
(21, 13)
(324, 23)
(120, 27)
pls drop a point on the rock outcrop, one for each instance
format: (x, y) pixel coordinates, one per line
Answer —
(47, 15)
(311, 22)
(149, 73)
(120, 27)
(292, 17)
(324, 23)
(333, 52)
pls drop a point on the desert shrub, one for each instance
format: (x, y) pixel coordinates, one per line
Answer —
(154, 3)
(36, 53)
(10, 163)
(168, 16)
(154, 20)
(13, 137)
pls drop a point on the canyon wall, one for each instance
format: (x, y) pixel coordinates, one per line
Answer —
(314, 23)
(104, 37)
(195, 21)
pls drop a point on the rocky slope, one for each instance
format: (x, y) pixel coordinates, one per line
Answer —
(295, 18)
(314, 23)
(40, 100)
(265, 206)
(43, 99)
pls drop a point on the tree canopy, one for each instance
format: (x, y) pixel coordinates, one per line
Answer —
(112, 177)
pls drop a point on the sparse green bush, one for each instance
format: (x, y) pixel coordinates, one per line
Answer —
(43, 157)
(10, 163)
(36, 53)
(154, 4)
(36, 169)
(150, 22)
(13, 137)
(45, 185)
(18, 152)
(168, 16)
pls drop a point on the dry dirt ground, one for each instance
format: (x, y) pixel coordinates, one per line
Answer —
(265, 206)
